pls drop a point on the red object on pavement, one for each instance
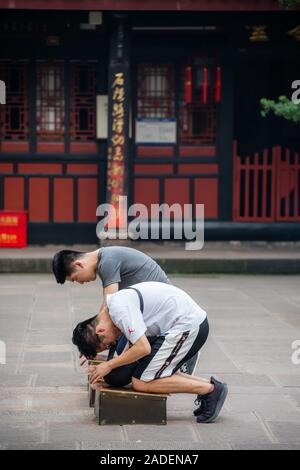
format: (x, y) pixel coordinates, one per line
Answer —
(13, 229)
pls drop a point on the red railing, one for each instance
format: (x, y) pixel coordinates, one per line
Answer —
(288, 186)
(266, 186)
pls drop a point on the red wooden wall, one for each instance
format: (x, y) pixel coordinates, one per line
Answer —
(177, 181)
(55, 192)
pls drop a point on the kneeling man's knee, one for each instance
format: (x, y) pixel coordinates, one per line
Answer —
(139, 385)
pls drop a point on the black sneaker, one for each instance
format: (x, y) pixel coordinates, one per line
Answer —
(198, 411)
(211, 403)
(197, 402)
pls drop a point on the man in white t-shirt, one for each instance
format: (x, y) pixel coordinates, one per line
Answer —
(164, 327)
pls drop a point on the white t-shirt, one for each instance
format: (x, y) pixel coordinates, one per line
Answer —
(167, 309)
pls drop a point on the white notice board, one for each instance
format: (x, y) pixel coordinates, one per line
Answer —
(155, 131)
(102, 113)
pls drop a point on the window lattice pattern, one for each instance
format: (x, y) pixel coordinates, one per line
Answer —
(14, 115)
(155, 91)
(83, 102)
(198, 124)
(50, 101)
(198, 117)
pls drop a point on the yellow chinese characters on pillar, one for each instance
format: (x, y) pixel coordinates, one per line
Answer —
(119, 80)
(119, 94)
(116, 151)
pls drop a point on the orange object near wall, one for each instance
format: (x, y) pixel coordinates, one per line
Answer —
(13, 229)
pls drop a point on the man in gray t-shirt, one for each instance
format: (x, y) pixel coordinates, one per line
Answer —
(126, 266)
(118, 267)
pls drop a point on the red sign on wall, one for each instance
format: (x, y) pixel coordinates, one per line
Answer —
(13, 229)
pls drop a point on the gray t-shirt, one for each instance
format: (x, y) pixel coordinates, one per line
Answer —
(127, 266)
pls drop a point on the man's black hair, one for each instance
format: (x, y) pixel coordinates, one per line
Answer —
(62, 264)
(85, 338)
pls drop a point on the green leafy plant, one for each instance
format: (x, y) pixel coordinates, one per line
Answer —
(289, 3)
(283, 107)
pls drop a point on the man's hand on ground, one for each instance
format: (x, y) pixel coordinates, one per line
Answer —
(98, 372)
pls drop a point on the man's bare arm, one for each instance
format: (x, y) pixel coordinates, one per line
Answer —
(138, 350)
(111, 289)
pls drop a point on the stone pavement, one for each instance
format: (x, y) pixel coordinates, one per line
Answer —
(254, 320)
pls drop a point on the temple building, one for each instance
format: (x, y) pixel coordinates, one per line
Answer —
(160, 104)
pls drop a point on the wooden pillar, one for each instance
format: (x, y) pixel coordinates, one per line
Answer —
(118, 115)
(225, 136)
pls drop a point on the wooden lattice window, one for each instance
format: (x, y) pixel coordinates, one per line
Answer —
(50, 101)
(155, 91)
(14, 114)
(83, 101)
(200, 94)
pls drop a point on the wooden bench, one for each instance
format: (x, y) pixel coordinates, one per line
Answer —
(125, 406)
